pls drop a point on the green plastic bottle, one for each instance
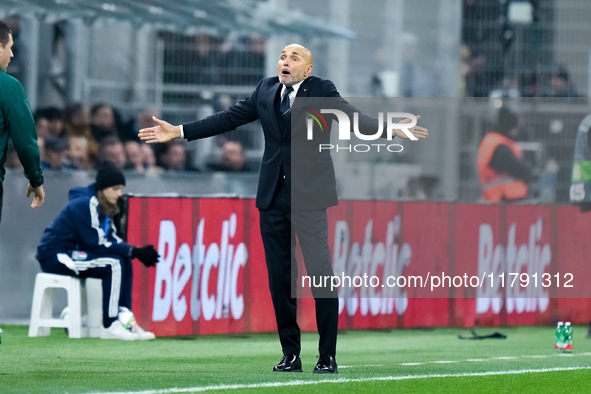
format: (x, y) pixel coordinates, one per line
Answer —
(559, 344)
(568, 337)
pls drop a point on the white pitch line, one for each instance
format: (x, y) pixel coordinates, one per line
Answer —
(357, 366)
(443, 362)
(342, 380)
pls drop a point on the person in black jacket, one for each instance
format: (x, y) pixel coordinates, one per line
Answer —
(82, 241)
(287, 206)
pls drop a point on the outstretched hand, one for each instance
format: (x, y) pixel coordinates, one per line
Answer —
(417, 131)
(163, 132)
(39, 197)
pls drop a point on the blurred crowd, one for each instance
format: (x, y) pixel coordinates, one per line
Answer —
(482, 77)
(79, 137)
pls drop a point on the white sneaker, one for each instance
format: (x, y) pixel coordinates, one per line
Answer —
(117, 331)
(141, 333)
(127, 319)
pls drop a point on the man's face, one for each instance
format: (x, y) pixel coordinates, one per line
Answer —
(557, 84)
(148, 155)
(104, 117)
(233, 155)
(134, 153)
(78, 152)
(55, 158)
(175, 159)
(116, 154)
(6, 53)
(113, 193)
(295, 64)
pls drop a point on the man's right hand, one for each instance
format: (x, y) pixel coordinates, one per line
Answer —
(163, 132)
(39, 195)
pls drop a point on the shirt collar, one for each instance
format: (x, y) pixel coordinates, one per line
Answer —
(295, 89)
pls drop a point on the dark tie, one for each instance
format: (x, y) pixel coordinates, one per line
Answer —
(285, 104)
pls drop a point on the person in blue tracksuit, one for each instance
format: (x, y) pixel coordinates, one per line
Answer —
(82, 241)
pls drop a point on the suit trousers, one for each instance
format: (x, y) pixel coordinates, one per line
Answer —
(279, 227)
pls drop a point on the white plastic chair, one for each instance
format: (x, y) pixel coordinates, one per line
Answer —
(84, 296)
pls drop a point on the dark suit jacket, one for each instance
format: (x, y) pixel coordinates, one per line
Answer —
(312, 178)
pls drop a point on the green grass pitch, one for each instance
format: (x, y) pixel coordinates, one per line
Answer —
(402, 360)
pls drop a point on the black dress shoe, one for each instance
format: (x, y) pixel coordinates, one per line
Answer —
(289, 363)
(326, 364)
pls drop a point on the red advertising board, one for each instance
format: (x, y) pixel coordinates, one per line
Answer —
(425, 264)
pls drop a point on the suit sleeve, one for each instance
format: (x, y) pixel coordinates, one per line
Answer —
(24, 134)
(243, 112)
(367, 124)
(88, 227)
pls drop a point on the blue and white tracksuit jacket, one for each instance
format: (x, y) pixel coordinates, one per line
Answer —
(83, 242)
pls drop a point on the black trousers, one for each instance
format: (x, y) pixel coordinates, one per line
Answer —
(279, 227)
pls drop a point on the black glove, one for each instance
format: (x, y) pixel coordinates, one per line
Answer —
(146, 254)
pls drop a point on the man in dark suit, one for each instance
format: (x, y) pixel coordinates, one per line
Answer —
(288, 207)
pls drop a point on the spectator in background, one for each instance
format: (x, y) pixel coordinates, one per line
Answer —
(232, 158)
(206, 63)
(503, 173)
(77, 123)
(55, 119)
(135, 160)
(149, 159)
(41, 124)
(111, 149)
(55, 154)
(529, 84)
(141, 121)
(103, 123)
(560, 85)
(77, 153)
(173, 156)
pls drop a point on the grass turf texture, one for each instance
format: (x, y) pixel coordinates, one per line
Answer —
(59, 364)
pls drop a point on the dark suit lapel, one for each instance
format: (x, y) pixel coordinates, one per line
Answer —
(272, 104)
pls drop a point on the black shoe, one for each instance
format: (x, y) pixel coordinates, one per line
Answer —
(326, 364)
(289, 363)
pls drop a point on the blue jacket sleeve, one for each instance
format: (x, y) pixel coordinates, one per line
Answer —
(89, 228)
